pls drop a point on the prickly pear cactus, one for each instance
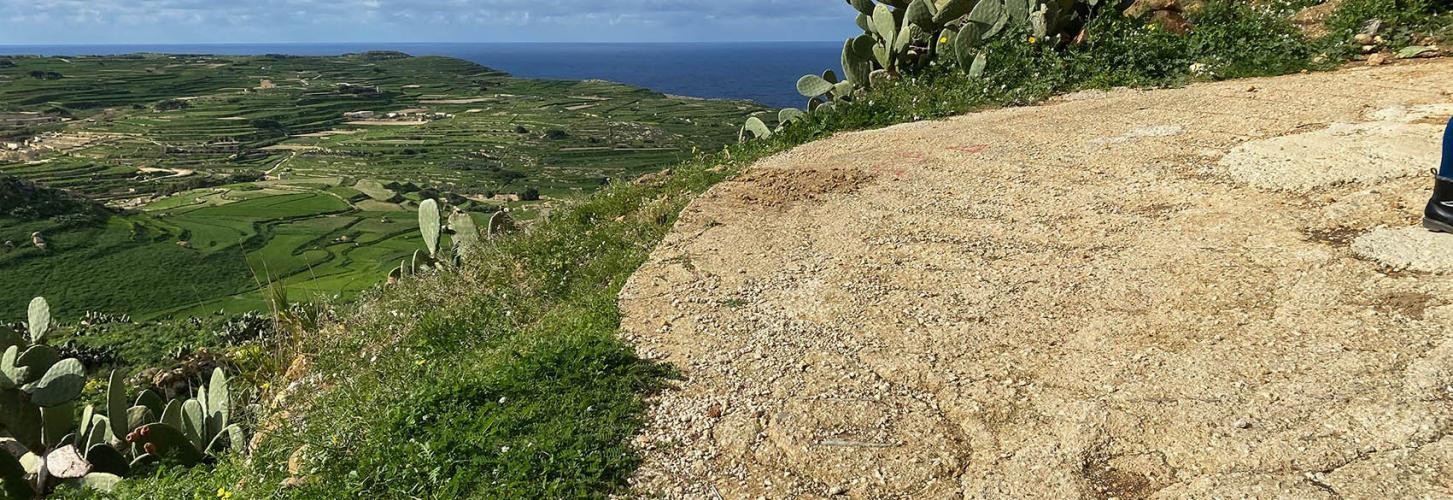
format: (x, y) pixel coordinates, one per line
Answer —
(61, 384)
(116, 404)
(919, 13)
(858, 60)
(989, 16)
(756, 127)
(12, 477)
(976, 68)
(466, 234)
(167, 442)
(501, 223)
(39, 319)
(901, 35)
(429, 224)
(951, 10)
(104, 458)
(813, 86)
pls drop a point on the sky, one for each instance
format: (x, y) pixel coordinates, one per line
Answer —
(295, 21)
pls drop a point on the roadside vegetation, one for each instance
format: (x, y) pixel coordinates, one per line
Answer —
(505, 377)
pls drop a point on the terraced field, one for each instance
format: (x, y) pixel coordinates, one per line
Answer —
(227, 170)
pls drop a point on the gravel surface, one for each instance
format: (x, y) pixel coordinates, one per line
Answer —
(1116, 294)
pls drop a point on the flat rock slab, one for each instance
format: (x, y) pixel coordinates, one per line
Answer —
(1073, 300)
(1407, 249)
(1341, 153)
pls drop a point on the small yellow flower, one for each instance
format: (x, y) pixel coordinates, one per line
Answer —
(223, 493)
(943, 39)
(1033, 40)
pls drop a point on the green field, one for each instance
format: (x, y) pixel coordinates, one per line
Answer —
(226, 171)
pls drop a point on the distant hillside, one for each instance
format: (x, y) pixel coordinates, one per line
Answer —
(28, 201)
(307, 169)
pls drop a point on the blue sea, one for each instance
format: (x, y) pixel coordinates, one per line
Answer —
(765, 72)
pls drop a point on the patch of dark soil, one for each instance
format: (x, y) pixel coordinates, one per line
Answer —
(782, 189)
(1336, 236)
(1410, 304)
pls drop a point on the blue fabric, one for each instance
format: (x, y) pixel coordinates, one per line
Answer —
(1447, 169)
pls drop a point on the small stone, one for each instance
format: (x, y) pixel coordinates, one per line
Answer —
(1363, 38)
(1376, 59)
(1371, 27)
(298, 461)
(838, 490)
(1241, 424)
(714, 411)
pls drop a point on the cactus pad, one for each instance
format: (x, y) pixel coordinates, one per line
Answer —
(976, 69)
(12, 478)
(884, 24)
(813, 86)
(150, 400)
(116, 403)
(104, 458)
(919, 13)
(62, 383)
(100, 481)
(429, 224)
(951, 10)
(757, 128)
(12, 375)
(38, 358)
(56, 422)
(219, 398)
(466, 234)
(39, 319)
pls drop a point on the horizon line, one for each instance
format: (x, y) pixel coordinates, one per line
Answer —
(104, 44)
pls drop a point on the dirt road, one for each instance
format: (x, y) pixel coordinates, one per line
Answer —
(1208, 291)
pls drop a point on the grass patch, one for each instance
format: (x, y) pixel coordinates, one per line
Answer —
(519, 389)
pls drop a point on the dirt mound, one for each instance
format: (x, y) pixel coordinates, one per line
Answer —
(782, 189)
(1085, 299)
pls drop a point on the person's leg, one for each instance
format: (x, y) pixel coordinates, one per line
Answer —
(1447, 169)
(1439, 214)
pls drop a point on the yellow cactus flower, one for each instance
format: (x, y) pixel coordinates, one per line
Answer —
(943, 39)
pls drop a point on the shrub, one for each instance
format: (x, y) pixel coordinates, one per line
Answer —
(1402, 23)
(172, 105)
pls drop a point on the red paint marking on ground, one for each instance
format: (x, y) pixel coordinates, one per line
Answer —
(975, 149)
(912, 156)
